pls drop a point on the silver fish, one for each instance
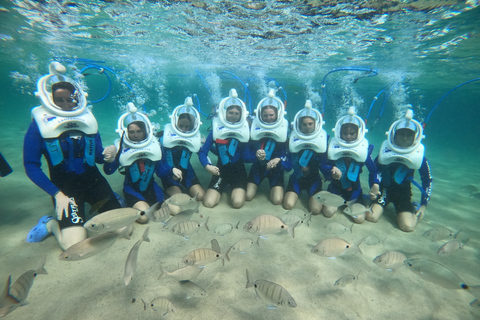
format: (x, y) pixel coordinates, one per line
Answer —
(356, 209)
(90, 246)
(162, 305)
(344, 280)
(203, 256)
(181, 216)
(333, 247)
(390, 260)
(274, 294)
(371, 240)
(113, 219)
(329, 199)
(184, 201)
(188, 227)
(243, 245)
(131, 263)
(267, 223)
(436, 273)
(450, 248)
(185, 273)
(192, 289)
(440, 233)
(162, 214)
(297, 215)
(338, 228)
(15, 295)
(224, 229)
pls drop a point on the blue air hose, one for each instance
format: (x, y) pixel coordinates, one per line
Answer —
(279, 87)
(444, 96)
(248, 97)
(370, 73)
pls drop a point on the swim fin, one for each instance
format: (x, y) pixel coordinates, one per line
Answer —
(5, 168)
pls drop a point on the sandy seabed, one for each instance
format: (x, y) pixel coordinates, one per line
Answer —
(94, 288)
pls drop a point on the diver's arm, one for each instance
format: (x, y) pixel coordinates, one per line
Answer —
(32, 154)
(203, 152)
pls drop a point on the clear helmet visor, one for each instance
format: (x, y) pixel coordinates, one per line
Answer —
(186, 119)
(269, 111)
(233, 110)
(308, 122)
(137, 129)
(350, 130)
(64, 94)
(405, 134)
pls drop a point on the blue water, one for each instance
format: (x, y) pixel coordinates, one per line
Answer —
(159, 52)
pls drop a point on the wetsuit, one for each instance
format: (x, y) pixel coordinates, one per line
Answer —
(232, 156)
(74, 176)
(179, 157)
(398, 190)
(307, 179)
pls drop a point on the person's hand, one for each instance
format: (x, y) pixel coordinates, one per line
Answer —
(109, 153)
(177, 174)
(420, 212)
(273, 163)
(62, 204)
(213, 170)
(374, 191)
(261, 155)
(336, 173)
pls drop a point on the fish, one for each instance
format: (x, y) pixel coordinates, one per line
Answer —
(14, 296)
(91, 246)
(329, 199)
(356, 209)
(185, 273)
(470, 189)
(98, 205)
(272, 293)
(162, 214)
(192, 289)
(243, 245)
(224, 229)
(475, 304)
(203, 256)
(344, 280)
(267, 223)
(188, 227)
(162, 305)
(113, 219)
(184, 201)
(297, 215)
(371, 240)
(437, 273)
(451, 247)
(333, 247)
(181, 216)
(390, 260)
(338, 228)
(440, 233)
(131, 263)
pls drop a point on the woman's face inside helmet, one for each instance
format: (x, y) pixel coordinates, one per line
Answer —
(135, 132)
(184, 124)
(269, 114)
(63, 96)
(233, 114)
(349, 132)
(307, 125)
(404, 138)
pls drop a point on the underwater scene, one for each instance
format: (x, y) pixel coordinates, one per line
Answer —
(371, 63)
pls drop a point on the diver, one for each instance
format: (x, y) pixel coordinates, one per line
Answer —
(180, 139)
(139, 158)
(229, 137)
(65, 132)
(308, 153)
(400, 155)
(348, 152)
(268, 135)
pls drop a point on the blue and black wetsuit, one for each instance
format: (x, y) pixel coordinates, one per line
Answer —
(349, 186)
(179, 157)
(232, 156)
(397, 188)
(71, 161)
(307, 165)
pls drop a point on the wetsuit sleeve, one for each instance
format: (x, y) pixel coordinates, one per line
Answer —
(32, 154)
(203, 152)
(373, 177)
(426, 177)
(326, 167)
(163, 169)
(249, 154)
(110, 168)
(98, 149)
(282, 154)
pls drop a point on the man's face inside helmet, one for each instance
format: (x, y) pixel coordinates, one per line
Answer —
(349, 132)
(233, 114)
(404, 138)
(307, 125)
(64, 99)
(136, 132)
